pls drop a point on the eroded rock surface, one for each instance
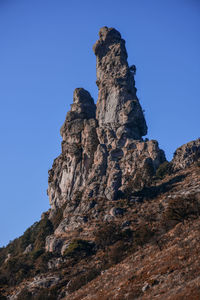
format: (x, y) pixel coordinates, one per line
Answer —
(118, 108)
(102, 148)
(185, 155)
(70, 170)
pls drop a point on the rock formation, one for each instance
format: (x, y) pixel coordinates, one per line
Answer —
(111, 220)
(70, 170)
(102, 147)
(118, 110)
(185, 155)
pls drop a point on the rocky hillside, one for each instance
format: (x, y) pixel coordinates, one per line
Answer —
(124, 223)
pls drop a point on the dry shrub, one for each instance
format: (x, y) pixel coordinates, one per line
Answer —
(107, 234)
(116, 253)
(142, 235)
(43, 294)
(57, 218)
(180, 209)
(78, 247)
(81, 280)
(163, 170)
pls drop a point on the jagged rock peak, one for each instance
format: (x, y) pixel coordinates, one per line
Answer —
(83, 104)
(186, 155)
(81, 96)
(83, 108)
(117, 105)
(102, 146)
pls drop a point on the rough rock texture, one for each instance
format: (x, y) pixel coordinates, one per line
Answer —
(118, 108)
(95, 150)
(102, 148)
(186, 155)
(70, 170)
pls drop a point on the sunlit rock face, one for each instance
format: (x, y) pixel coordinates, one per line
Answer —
(102, 147)
(118, 107)
(186, 155)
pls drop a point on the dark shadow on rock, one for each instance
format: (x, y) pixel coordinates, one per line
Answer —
(153, 191)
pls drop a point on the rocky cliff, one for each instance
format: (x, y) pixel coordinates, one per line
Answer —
(102, 147)
(102, 144)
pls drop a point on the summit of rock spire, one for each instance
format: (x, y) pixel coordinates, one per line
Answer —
(117, 106)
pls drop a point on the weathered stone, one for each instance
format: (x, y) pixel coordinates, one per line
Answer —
(70, 170)
(116, 211)
(28, 249)
(102, 147)
(185, 155)
(7, 258)
(117, 106)
(53, 244)
(145, 287)
(55, 263)
(43, 281)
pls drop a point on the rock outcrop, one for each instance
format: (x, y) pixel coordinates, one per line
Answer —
(71, 169)
(186, 155)
(102, 148)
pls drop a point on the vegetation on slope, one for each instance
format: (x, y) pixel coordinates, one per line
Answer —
(146, 221)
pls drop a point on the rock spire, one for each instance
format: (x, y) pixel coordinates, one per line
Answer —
(118, 107)
(102, 147)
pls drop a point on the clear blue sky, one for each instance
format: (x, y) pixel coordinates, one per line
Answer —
(46, 52)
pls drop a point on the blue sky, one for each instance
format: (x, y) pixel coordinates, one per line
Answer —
(46, 52)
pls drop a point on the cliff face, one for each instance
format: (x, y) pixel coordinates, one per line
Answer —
(102, 145)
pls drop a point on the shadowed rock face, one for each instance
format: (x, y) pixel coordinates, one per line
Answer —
(71, 168)
(102, 146)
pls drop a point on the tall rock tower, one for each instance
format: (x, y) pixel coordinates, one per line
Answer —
(102, 146)
(118, 108)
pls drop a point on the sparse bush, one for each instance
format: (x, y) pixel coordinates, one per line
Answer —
(198, 163)
(35, 235)
(21, 266)
(43, 229)
(180, 209)
(3, 280)
(81, 280)
(35, 254)
(107, 235)
(57, 218)
(43, 294)
(16, 269)
(25, 295)
(110, 233)
(142, 235)
(78, 246)
(117, 252)
(164, 169)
